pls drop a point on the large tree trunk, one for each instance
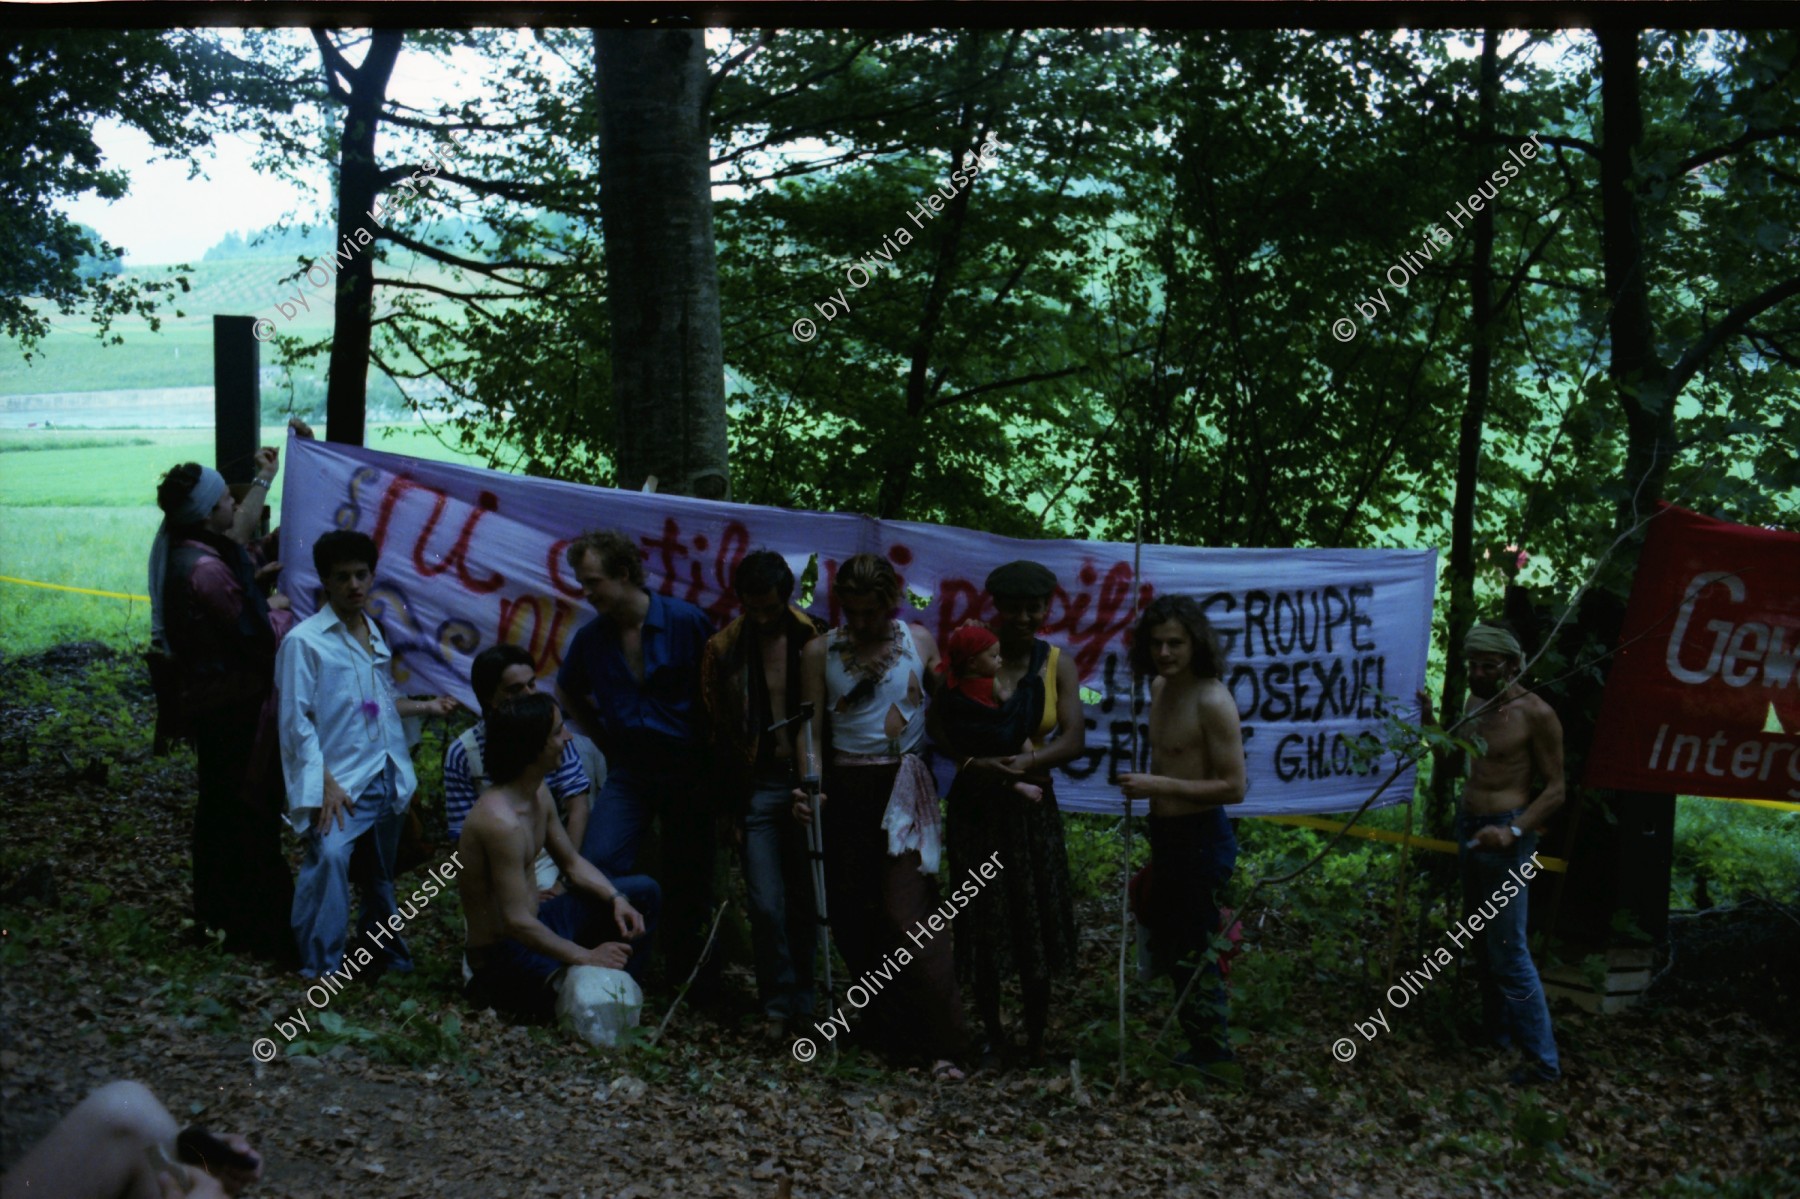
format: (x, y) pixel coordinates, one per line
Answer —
(1640, 377)
(1461, 576)
(347, 390)
(662, 286)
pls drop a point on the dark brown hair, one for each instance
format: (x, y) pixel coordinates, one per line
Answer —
(1209, 659)
(619, 557)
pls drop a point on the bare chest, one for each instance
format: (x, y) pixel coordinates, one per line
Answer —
(775, 669)
(1175, 736)
(1505, 734)
(631, 644)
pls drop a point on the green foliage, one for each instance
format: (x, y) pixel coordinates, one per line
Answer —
(414, 1040)
(1739, 850)
(162, 84)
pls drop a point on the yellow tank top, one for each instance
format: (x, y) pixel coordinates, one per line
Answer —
(1049, 719)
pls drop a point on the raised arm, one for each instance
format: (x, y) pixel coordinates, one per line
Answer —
(249, 513)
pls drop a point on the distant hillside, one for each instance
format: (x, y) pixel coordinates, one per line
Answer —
(180, 354)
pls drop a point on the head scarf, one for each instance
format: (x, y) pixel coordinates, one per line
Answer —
(192, 511)
(1491, 639)
(1023, 579)
(962, 646)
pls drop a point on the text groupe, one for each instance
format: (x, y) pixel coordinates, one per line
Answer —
(1409, 263)
(874, 979)
(973, 163)
(1412, 982)
(333, 982)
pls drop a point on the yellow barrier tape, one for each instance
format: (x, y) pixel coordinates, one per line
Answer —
(1380, 834)
(1778, 804)
(77, 590)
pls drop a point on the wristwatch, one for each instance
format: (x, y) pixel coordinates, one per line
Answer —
(1515, 831)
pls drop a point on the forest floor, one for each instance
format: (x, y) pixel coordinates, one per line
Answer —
(408, 1093)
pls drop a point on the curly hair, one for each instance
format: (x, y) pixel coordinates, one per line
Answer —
(1208, 661)
(619, 556)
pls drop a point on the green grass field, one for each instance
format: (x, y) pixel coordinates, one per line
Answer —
(180, 354)
(78, 508)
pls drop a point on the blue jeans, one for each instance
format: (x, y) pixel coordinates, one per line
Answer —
(673, 788)
(1513, 1009)
(783, 921)
(617, 819)
(511, 977)
(322, 892)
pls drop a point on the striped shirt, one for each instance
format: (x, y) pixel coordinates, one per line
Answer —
(462, 788)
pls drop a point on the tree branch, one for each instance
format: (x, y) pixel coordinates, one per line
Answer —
(1728, 327)
(1746, 138)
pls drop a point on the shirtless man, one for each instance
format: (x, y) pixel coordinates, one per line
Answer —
(1197, 753)
(1498, 832)
(518, 948)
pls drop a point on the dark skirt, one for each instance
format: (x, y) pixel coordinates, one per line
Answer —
(875, 902)
(1024, 920)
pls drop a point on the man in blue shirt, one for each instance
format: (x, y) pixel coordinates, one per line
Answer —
(631, 681)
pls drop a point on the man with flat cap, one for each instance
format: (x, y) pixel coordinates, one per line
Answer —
(1497, 831)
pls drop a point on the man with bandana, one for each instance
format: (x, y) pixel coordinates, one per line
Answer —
(211, 614)
(1497, 831)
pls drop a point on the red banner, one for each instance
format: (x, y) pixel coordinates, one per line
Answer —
(1704, 698)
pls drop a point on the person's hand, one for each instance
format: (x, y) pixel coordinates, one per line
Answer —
(268, 462)
(337, 804)
(549, 893)
(803, 805)
(300, 428)
(631, 921)
(268, 571)
(613, 955)
(280, 603)
(235, 1178)
(1425, 716)
(1493, 836)
(1141, 786)
(438, 705)
(1019, 764)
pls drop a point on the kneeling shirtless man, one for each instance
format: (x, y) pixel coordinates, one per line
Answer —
(518, 948)
(1197, 752)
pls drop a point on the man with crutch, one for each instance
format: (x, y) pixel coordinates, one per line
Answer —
(750, 688)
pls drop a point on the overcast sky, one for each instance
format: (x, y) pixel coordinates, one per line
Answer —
(167, 218)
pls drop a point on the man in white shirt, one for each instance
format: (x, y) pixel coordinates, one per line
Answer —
(345, 761)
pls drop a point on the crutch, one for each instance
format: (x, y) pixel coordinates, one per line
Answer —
(815, 844)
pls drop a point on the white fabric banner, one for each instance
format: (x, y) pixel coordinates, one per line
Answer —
(1319, 642)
